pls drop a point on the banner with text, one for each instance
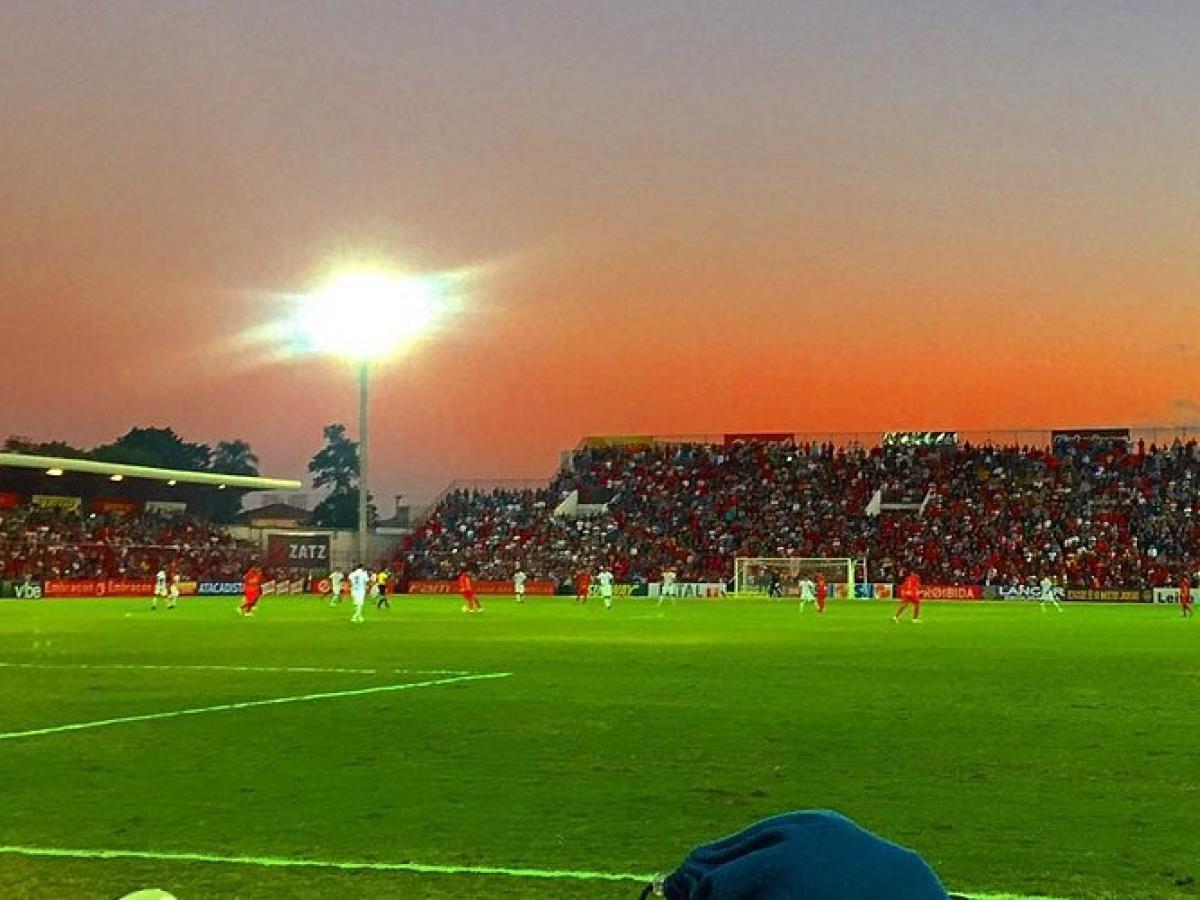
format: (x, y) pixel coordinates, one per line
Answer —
(874, 591)
(170, 507)
(481, 587)
(298, 551)
(114, 507)
(688, 589)
(8, 500)
(951, 592)
(1109, 595)
(98, 587)
(53, 501)
(219, 588)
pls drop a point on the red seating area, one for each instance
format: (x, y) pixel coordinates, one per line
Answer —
(55, 543)
(1098, 513)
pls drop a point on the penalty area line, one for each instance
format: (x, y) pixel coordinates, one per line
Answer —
(251, 704)
(276, 862)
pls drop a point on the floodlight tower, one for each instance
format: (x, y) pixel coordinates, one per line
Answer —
(366, 316)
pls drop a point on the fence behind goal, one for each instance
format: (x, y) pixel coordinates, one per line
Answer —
(756, 574)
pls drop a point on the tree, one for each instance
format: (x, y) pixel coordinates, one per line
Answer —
(18, 444)
(336, 466)
(157, 447)
(232, 458)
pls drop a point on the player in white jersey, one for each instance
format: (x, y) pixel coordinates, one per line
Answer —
(808, 592)
(668, 586)
(1047, 591)
(519, 585)
(360, 584)
(605, 580)
(173, 589)
(160, 588)
(336, 577)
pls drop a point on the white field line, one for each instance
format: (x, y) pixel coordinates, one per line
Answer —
(202, 668)
(418, 868)
(249, 704)
(222, 668)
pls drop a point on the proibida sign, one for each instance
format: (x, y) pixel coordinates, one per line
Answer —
(298, 551)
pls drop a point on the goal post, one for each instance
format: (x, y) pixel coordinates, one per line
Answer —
(754, 575)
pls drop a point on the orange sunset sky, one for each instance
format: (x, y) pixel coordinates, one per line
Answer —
(680, 217)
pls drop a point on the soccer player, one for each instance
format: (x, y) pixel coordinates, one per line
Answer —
(822, 592)
(173, 587)
(160, 588)
(381, 581)
(360, 584)
(606, 590)
(251, 590)
(910, 595)
(1186, 603)
(807, 592)
(468, 591)
(775, 586)
(583, 584)
(1047, 591)
(336, 577)
(668, 586)
(519, 584)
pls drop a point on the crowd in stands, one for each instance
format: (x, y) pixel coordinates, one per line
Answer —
(39, 544)
(1096, 513)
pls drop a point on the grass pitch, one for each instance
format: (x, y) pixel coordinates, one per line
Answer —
(1021, 751)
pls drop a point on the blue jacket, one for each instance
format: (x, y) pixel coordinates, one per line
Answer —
(809, 855)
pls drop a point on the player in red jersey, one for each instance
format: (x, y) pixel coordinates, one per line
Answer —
(252, 590)
(910, 595)
(583, 583)
(822, 592)
(1186, 603)
(468, 591)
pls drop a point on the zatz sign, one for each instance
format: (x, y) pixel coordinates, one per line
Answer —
(298, 551)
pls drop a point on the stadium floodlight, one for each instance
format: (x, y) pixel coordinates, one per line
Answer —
(54, 472)
(117, 477)
(368, 315)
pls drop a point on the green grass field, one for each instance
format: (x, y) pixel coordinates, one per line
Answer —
(1018, 751)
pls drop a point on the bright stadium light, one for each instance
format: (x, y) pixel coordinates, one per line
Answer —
(367, 315)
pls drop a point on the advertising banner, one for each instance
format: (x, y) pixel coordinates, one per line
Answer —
(53, 501)
(951, 592)
(298, 551)
(1167, 595)
(1021, 592)
(219, 588)
(8, 500)
(484, 587)
(873, 591)
(769, 437)
(98, 587)
(114, 507)
(1109, 595)
(170, 507)
(1071, 435)
(920, 438)
(20, 590)
(686, 589)
(619, 590)
(620, 440)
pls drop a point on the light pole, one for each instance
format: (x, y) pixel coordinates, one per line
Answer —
(364, 380)
(363, 316)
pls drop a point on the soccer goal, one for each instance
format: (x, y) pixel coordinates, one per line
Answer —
(755, 574)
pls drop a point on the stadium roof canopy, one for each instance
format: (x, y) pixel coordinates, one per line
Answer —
(60, 465)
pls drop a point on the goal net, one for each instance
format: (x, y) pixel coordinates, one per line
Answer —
(755, 575)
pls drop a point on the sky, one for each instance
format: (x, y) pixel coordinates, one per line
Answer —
(677, 217)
